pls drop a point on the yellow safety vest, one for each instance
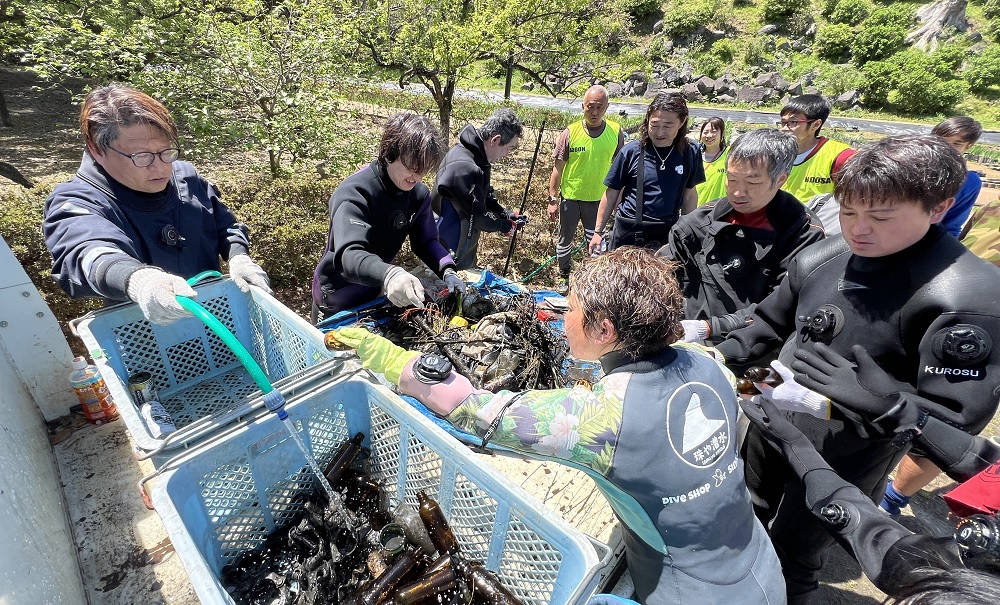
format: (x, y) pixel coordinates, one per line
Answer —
(589, 161)
(812, 176)
(714, 186)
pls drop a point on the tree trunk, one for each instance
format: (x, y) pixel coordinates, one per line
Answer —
(936, 19)
(4, 114)
(509, 69)
(274, 160)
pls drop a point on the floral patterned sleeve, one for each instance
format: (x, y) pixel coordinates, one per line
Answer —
(575, 424)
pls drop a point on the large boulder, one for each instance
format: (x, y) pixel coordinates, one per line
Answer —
(691, 92)
(652, 93)
(768, 29)
(728, 99)
(639, 88)
(753, 95)
(615, 89)
(724, 84)
(706, 85)
(938, 20)
(795, 89)
(847, 100)
(671, 76)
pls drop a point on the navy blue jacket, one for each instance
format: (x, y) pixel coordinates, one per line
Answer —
(100, 232)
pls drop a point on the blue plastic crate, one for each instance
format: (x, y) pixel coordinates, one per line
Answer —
(199, 380)
(228, 494)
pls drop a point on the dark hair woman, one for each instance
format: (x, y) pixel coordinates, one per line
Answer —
(652, 180)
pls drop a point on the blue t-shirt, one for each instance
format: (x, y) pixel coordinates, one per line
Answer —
(663, 190)
(962, 208)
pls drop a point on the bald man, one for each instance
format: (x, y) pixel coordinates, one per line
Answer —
(583, 156)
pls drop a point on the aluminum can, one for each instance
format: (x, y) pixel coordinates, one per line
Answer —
(142, 388)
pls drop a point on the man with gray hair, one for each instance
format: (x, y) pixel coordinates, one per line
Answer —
(733, 252)
(463, 197)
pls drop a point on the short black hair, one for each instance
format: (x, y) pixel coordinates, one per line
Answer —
(414, 140)
(813, 107)
(916, 168)
(964, 127)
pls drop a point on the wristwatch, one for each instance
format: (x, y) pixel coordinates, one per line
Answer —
(553, 198)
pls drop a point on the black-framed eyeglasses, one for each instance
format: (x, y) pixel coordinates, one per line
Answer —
(145, 158)
(791, 123)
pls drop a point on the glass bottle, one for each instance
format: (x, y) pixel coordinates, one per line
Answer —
(343, 458)
(416, 531)
(437, 526)
(378, 590)
(427, 588)
(485, 586)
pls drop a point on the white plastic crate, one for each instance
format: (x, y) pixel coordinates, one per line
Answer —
(228, 494)
(195, 374)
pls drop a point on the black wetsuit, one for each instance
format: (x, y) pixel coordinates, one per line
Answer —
(926, 315)
(370, 218)
(725, 269)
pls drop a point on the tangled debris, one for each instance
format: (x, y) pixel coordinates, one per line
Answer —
(496, 340)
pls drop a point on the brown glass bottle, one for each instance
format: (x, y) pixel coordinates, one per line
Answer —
(416, 531)
(427, 588)
(343, 458)
(379, 590)
(437, 526)
(485, 586)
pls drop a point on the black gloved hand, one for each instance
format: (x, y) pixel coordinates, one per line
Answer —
(864, 388)
(796, 447)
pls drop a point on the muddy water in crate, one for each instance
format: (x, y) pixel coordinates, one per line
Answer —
(336, 503)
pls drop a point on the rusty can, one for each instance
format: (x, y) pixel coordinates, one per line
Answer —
(142, 388)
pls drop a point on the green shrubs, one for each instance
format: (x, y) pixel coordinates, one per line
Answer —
(850, 12)
(877, 42)
(911, 82)
(833, 41)
(288, 220)
(983, 70)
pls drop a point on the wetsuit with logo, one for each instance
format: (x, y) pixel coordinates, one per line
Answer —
(100, 232)
(727, 268)
(370, 218)
(928, 315)
(661, 430)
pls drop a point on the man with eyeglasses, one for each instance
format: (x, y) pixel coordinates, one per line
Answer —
(819, 158)
(135, 222)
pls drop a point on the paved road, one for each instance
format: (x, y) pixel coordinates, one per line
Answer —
(750, 117)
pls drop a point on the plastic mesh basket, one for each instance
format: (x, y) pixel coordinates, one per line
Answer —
(230, 493)
(194, 372)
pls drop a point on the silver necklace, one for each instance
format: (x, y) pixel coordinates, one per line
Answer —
(663, 161)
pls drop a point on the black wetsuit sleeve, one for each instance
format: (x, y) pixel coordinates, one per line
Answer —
(769, 326)
(464, 183)
(234, 236)
(353, 233)
(424, 239)
(886, 550)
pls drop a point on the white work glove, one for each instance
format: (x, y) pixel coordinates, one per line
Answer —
(403, 289)
(245, 273)
(156, 291)
(695, 330)
(453, 281)
(792, 396)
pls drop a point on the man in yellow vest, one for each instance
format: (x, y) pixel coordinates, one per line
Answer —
(819, 157)
(583, 156)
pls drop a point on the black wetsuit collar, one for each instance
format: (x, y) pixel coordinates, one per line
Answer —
(905, 256)
(618, 361)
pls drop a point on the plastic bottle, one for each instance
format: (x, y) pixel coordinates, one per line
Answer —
(92, 392)
(437, 526)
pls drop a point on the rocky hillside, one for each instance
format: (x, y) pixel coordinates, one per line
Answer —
(897, 57)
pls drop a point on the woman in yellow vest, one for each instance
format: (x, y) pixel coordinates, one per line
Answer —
(713, 156)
